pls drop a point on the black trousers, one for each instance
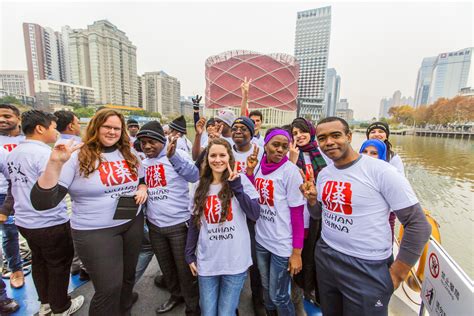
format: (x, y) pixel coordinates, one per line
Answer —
(168, 245)
(255, 280)
(110, 256)
(52, 252)
(350, 285)
(307, 278)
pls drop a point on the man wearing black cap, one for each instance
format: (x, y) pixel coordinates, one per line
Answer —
(178, 128)
(168, 171)
(132, 127)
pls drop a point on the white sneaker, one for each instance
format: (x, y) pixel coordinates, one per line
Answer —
(44, 310)
(76, 304)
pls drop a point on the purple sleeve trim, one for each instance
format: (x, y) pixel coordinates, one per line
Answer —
(297, 226)
(191, 241)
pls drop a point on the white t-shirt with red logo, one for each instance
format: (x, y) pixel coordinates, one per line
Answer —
(223, 248)
(356, 203)
(94, 199)
(278, 191)
(8, 143)
(168, 192)
(25, 165)
(241, 158)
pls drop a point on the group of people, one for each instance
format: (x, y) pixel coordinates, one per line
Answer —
(297, 208)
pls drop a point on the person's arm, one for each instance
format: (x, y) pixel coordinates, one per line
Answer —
(191, 241)
(200, 126)
(250, 206)
(315, 210)
(7, 207)
(295, 263)
(196, 101)
(416, 235)
(244, 87)
(45, 199)
(184, 168)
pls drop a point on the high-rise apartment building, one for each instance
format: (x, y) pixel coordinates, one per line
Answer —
(102, 57)
(443, 76)
(333, 87)
(46, 54)
(396, 100)
(15, 82)
(313, 30)
(161, 93)
(50, 93)
(140, 92)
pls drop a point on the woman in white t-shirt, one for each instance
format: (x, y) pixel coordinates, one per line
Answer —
(381, 131)
(220, 205)
(96, 176)
(280, 228)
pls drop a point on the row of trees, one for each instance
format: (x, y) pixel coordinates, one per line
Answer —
(458, 110)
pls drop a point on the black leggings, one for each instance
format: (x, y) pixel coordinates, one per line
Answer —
(110, 256)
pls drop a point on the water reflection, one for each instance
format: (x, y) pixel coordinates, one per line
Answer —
(441, 171)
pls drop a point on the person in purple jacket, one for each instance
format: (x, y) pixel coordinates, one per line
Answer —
(218, 243)
(280, 228)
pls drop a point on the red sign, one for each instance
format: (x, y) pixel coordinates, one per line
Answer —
(155, 176)
(337, 197)
(266, 190)
(213, 210)
(115, 173)
(434, 265)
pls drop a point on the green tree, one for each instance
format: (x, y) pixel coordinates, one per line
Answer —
(84, 112)
(9, 100)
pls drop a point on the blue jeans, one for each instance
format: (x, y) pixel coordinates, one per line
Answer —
(145, 256)
(219, 295)
(10, 242)
(275, 281)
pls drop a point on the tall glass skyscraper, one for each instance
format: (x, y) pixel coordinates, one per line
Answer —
(443, 76)
(313, 30)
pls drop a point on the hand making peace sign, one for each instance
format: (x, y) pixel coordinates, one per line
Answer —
(252, 160)
(62, 152)
(294, 152)
(233, 174)
(308, 188)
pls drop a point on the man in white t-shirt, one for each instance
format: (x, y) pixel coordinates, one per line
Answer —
(10, 137)
(354, 255)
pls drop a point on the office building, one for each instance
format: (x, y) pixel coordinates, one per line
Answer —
(161, 93)
(15, 82)
(443, 76)
(51, 93)
(313, 30)
(333, 87)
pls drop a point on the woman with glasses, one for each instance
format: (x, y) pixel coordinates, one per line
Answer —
(107, 237)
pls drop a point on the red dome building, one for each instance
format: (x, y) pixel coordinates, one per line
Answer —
(273, 90)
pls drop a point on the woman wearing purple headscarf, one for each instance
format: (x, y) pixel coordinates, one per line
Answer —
(280, 227)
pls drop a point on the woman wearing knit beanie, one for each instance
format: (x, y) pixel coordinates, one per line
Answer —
(381, 131)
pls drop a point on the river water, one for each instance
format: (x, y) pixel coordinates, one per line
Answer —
(441, 171)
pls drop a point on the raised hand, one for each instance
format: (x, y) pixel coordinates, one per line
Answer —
(62, 152)
(216, 131)
(252, 160)
(170, 151)
(233, 174)
(294, 152)
(245, 87)
(200, 125)
(308, 188)
(196, 100)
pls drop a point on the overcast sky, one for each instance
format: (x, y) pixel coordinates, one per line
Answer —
(375, 47)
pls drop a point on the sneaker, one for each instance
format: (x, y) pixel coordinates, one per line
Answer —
(76, 304)
(45, 309)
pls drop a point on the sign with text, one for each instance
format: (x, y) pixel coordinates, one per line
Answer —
(447, 290)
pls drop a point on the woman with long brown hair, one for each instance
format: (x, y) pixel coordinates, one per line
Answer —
(218, 229)
(107, 234)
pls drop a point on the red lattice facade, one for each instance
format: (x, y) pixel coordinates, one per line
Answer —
(274, 80)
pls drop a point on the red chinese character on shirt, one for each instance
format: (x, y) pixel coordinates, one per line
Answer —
(241, 166)
(213, 210)
(155, 176)
(115, 173)
(266, 190)
(10, 147)
(337, 197)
